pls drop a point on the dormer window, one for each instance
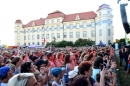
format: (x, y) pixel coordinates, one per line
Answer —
(58, 20)
(99, 13)
(47, 21)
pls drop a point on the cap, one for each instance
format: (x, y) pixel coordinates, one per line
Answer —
(4, 70)
(76, 69)
(56, 71)
(72, 74)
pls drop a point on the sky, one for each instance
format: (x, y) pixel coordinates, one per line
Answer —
(27, 10)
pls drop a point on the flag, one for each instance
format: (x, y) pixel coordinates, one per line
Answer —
(44, 42)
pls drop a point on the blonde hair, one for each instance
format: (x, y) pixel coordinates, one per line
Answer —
(11, 65)
(20, 79)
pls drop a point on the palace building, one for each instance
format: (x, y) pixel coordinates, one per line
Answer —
(70, 27)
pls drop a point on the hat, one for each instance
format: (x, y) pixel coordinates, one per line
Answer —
(56, 71)
(4, 70)
(72, 74)
(39, 62)
(76, 69)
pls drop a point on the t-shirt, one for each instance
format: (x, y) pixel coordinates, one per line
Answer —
(95, 72)
(3, 84)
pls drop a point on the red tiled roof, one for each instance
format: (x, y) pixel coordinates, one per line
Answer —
(18, 21)
(38, 22)
(82, 16)
(67, 18)
(55, 14)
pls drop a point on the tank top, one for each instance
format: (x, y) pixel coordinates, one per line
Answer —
(55, 83)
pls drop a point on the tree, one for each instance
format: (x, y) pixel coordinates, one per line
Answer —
(83, 42)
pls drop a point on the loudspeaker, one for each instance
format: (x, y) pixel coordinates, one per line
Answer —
(124, 18)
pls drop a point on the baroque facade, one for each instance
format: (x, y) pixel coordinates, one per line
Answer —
(86, 25)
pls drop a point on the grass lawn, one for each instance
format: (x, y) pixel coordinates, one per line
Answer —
(122, 74)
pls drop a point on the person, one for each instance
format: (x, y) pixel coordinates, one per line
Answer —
(128, 69)
(80, 81)
(23, 79)
(39, 79)
(52, 47)
(5, 75)
(85, 68)
(121, 56)
(17, 61)
(57, 72)
(1, 61)
(27, 67)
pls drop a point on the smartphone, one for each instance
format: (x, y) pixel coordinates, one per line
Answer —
(101, 67)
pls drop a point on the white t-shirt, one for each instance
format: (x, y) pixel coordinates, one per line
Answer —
(3, 84)
(55, 83)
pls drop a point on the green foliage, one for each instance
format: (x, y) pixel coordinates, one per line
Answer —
(78, 43)
(83, 42)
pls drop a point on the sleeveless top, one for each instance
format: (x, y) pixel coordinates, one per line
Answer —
(55, 83)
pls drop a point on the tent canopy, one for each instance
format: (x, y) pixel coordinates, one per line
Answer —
(34, 46)
(102, 44)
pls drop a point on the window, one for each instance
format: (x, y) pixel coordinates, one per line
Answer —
(71, 34)
(52, 35)
(99, 23)
(58, 35)
(42, 29)
(108, 12)
(71, 26)
(77, 34)
(109, 41)
(52, 28)
(18, 31)
(33, 30)
(109, 22)
(47, 21)
(93, 24)
(18, 37)
(84, 34)
(37, 43)
(38, 29)
(33, 37)
(84, 24)
(28, 37)
(37, 36)
(64, 26)
(47, 29)
(47, 36)
(99, 13)
(58, 20)
(24, 37)
(43, 36)
(100, 32)
(58, 28)
(28, 30)
(24, 44)
(52, 21)
(29, 43)
(77, 25)
(93, 33)
(65, 35)
(109, 32)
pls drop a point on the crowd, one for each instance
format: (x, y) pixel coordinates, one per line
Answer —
(124, 54)
(70, 66)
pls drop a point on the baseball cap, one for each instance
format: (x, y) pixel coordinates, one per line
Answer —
(72, 74)
(56, 71)
(4, 70)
